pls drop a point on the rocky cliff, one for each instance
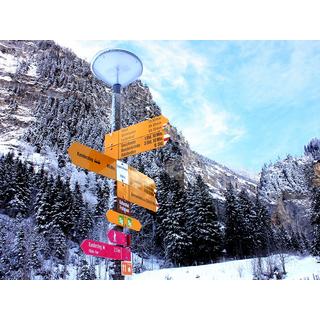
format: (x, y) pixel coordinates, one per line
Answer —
(49, 98)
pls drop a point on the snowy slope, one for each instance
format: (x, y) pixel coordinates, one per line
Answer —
(298, 268)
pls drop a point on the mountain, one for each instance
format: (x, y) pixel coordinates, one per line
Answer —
(286, 186)
(49, 98)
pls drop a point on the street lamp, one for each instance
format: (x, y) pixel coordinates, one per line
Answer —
(117, 68)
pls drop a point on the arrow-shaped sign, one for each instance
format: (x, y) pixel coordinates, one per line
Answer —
(105, 250)
(123, 220)
(118, 237)
(92, 160)
(145, 199)
(123, 206)
(141, 137)
(139, 188)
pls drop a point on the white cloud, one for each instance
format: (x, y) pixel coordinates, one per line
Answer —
(172, 65)
(209, 129)
(279, 73)
(167, 63)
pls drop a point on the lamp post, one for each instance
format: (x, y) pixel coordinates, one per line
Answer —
(117, 68)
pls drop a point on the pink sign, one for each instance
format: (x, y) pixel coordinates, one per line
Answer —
(105, 250)
(118, 237)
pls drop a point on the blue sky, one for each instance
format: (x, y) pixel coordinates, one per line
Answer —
(240, 103)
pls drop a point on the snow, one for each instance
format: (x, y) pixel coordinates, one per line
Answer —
(8, 145)
(8, 62)
(297, 267)
(6, 78)
(32, 72)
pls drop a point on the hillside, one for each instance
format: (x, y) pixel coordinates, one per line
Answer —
(49, 98)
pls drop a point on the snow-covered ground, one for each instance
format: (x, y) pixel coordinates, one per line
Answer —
(297, 268)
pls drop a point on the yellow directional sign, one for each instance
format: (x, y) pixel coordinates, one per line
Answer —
(132, 185)
(123, 220)
(140, 129)
(137, 196)
(141, 182)
(143, 136)
(92, 160)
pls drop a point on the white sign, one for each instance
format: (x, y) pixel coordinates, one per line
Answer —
(122, 172)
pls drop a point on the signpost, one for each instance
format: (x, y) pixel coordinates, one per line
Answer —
(126, 268)
(141, 137)
(123, 206)
(134, 186)
(120, 238)
(141, 182)
(105, 250)
(130, 176)
(102, 164)
(137, 196)
(123, 220)
(118, 68)
(92, 160)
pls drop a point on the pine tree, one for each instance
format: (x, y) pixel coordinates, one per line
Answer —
(57, 243)
(282, 240)
(295, 240)
(19, 204)
(165, 200)
(7, 181)
(263, 234)
(143, 241)
(205, 229)
(4, 259)
(233, 230)
(80, 216)
(92, 271)
(102, 202)
(305, 242)
(84, 270)
(85, 224)
(39, 185)
(247, 228)
(177, 241)
(44, 211)
(62, 207)
(20, 251)
(98, 216)
(35, 261)
(315, 221)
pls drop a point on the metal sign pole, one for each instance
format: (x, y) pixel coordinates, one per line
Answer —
(116, 125)
(117, 68)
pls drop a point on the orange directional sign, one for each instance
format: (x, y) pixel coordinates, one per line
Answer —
(92, 160)
(138, 130)
(126, 268)
(143, 136)
(141, 182)
(135, 179)
(137, 196)
(123, 220)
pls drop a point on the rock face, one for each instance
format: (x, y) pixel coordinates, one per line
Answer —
(49, 98)
(286, 187)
